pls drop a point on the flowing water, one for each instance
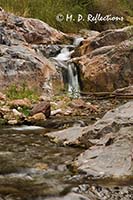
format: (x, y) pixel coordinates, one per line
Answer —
(71, 73)
(31, 166)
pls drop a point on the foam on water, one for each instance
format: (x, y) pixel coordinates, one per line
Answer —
(26, 128)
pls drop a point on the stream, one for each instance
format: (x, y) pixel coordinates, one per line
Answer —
(29, 162)
(34, 168)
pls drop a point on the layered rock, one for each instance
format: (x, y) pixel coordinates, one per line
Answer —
(111, 157)
(87, 136)
(20, 62)
(106, 61)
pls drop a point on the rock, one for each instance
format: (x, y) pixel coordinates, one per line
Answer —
(88, 33)
(13, 122)
(126, 90)
(17, 113)
(112, 121)
(20, 102)
(19, 63)
(37, 117)
(48, 50)
(42, 107)
(4, 110)
(32, 30)
(106, 61)
(78, 103)
(110, 158)
(67, 136)
(2, 96)
(56, 112)
(19, 60)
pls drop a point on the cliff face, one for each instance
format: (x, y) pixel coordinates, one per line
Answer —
(19, 61)
(106, 60)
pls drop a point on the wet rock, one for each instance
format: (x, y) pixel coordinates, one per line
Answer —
(106, 61)
(112, 121)
(67, 136)
(110, 158)
(42, 107)
(48, 50)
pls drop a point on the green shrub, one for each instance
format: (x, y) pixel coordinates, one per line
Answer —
(47, 10)
(14, 92)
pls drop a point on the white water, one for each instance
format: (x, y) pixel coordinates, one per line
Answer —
(64, 55)
(25, 128)
(73, 83)
(77, 41)
(63, 59)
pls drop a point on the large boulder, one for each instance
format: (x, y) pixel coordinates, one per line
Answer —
(106, 61)
(20, 62)
(87, 136)
(16, 29)
(112, 121)
(42, 107)
(110, 158)
(20, 65)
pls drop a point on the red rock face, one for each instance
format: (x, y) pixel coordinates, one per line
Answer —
(106, 61)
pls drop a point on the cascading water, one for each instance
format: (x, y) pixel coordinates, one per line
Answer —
(73, 83)
(63, 59)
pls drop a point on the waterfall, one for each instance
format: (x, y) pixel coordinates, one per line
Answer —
(69, 69)
(73, 83)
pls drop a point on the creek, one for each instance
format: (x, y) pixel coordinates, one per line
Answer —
(31, 166)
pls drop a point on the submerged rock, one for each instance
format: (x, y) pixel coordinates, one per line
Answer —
(70, 196)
